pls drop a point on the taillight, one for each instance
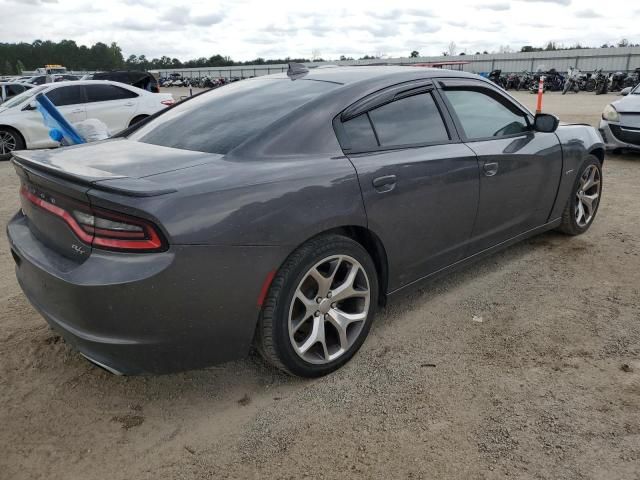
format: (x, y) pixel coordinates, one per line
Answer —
(102, 228)
(168, 102)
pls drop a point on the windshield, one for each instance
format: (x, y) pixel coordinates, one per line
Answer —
(636, 90)
(220, 120)
(23, 97)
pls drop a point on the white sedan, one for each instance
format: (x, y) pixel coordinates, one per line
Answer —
(117, 105)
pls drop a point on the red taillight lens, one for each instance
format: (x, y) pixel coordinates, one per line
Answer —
(168, 102)
(104, 229)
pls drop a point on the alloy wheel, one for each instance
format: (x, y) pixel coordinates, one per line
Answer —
(587, 196)
(7, 142)
(329, 309)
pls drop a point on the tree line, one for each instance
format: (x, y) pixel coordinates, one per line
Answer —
(18, 57)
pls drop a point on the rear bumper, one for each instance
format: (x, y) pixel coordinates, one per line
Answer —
(188, 307)
(618, 136)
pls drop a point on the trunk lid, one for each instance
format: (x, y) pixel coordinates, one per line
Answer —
(62, 178)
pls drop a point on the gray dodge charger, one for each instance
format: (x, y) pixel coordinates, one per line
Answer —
(281, 211)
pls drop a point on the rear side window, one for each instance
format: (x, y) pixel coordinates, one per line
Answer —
(483, 116)
(409, 121)
(220, 120)
(360, 133)
(106, 93)
(62, 96)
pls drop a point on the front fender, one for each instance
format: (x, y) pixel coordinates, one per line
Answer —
(577, 141)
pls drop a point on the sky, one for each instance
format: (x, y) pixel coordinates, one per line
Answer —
(247, 29)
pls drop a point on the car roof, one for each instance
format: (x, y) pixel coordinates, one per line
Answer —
(87, 82)
(15, 82)
(354, 74)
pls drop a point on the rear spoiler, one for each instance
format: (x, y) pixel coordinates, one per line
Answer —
(89, 178)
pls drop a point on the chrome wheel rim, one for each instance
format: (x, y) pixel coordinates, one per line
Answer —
(7, 143)
(329, 309)
(587, 196)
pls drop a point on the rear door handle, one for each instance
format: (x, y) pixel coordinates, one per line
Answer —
(384, 184)
(490, 169)
(129, 104)
(79, 110)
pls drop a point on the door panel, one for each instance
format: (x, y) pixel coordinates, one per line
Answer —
(424, 216)
(520, 193)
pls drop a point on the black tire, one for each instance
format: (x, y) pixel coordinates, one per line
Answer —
(590, 86)
(137, 119)
(18, 141)
(569, 223)
(272, 334)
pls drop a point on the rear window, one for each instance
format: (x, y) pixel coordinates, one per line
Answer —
(220, 120)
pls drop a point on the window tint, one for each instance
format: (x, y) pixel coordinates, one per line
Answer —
(13, 90)
(222, 119)
(409, 121)
(483, 116)
(105, 93)
(65, 96)
(360, 133)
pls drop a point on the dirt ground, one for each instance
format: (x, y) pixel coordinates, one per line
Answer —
(546, 386)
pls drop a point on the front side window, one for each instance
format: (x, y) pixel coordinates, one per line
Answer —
(483, 116)
(62, 96)
(409, 121)
(106, 93)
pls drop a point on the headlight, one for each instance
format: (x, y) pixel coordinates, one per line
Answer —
(610, 114)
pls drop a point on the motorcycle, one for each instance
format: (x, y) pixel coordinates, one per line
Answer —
(512, 81)
(601, 82)
(572, 80)
(525, 80)
(633, 79)
(617, 81)
(496, 78)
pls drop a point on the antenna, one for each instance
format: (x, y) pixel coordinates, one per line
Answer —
(296, 70)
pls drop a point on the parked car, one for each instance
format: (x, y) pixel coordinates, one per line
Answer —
(116, 104)
(620, 122)
(143, 80)
(283, 209)
(11, 89)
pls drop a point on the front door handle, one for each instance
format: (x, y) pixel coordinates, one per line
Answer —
(384, 184)
(490, 169)
(79, 110)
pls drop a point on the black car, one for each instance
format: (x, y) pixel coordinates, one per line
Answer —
(143, 80)
(280, 211)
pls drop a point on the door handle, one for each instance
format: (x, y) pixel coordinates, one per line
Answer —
(79, 110)
(129, 104)
(384, 184)
(490, 168)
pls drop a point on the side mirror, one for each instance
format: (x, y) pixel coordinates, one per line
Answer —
(546, 123)
(30, 106)
(626, 91)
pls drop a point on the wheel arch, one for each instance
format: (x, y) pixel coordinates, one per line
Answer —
(374, 247)
(17, 130)
(598, 152)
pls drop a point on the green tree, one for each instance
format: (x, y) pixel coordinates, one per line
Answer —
(20, 67)
(414, 54)
(7, 70)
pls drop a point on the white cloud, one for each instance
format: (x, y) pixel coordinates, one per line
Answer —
(246, 29)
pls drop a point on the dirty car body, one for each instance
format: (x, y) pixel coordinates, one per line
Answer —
(217, 209)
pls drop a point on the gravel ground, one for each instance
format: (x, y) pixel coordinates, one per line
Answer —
(546, 386)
